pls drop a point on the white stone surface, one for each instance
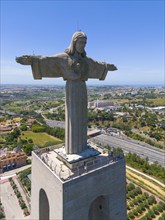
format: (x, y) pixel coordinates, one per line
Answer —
(88, 152)
(44, 178)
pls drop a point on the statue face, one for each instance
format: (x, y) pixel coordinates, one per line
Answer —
(80, 45)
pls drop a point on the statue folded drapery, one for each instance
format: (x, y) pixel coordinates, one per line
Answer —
(76, 68)
(63, 65)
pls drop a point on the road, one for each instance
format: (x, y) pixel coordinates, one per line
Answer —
(13, 172)
(53, 123)
(144, 151)
(140, 148)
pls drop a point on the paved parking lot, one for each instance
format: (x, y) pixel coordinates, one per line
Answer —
(10, 203)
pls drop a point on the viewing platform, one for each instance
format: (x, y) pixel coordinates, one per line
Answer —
(70, 166)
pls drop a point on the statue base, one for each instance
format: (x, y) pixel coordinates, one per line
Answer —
(80, 159)
(93, 188)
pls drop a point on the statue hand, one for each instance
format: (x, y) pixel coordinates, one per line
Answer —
(111, 67)
(25, 60)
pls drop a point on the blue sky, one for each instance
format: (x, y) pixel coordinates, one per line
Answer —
(129, 34)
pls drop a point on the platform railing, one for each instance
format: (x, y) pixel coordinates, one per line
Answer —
(64, 173)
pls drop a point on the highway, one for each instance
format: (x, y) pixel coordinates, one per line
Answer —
(53, 123)
(142, 150)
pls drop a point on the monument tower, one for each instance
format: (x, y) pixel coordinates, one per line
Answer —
(78, 180)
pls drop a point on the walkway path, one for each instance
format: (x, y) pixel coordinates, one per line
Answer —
(22, 192)
(10, 203)
(147, 176)
(12, 173)
(9, 200)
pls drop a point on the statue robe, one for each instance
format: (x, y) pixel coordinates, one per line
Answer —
(75, 71)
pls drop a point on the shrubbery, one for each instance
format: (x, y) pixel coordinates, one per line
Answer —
(142, 203)
(2, 214)
(141, 164)
(138, 204)
(23, 176)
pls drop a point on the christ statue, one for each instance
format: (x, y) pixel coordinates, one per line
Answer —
(75, 67)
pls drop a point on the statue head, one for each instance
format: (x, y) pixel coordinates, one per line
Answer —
(77, 44)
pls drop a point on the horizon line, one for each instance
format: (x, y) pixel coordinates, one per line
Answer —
(48, 84)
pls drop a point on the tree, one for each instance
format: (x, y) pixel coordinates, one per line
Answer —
(138, 190)
(30, 140)
(23, 205)
(131, 204)
(139, 199)
(130, 186)
(145, 203)
(155, 210)
(1, 215)
(139, 209)
(16, 133)
(23, 127)
(118, 151)
(28, 161)
(151, 213)
(151, 200)
(143, 207)
(146, 194)
(135, 212)
(28, 149)
(13, 135)
(161, 206)
(130, 215)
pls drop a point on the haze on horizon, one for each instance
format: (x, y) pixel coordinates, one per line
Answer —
(128, 34)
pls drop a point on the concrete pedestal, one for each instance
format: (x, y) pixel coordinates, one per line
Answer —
(99, 194)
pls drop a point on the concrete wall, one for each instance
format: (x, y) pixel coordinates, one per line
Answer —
(99, 195)
(44, 178)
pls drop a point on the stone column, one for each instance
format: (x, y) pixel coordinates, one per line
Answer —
(75, 116)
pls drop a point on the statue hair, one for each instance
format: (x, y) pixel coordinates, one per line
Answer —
(71, 49)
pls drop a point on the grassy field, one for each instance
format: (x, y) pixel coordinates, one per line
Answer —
(157, 101)
(13, 107)
(160, 101)
(40, 139)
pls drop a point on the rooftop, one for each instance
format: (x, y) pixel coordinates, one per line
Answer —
(67, 167)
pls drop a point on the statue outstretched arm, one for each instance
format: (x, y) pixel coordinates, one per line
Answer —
(25, 59)
(99, 70)
(43, 66)
(111, 67)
